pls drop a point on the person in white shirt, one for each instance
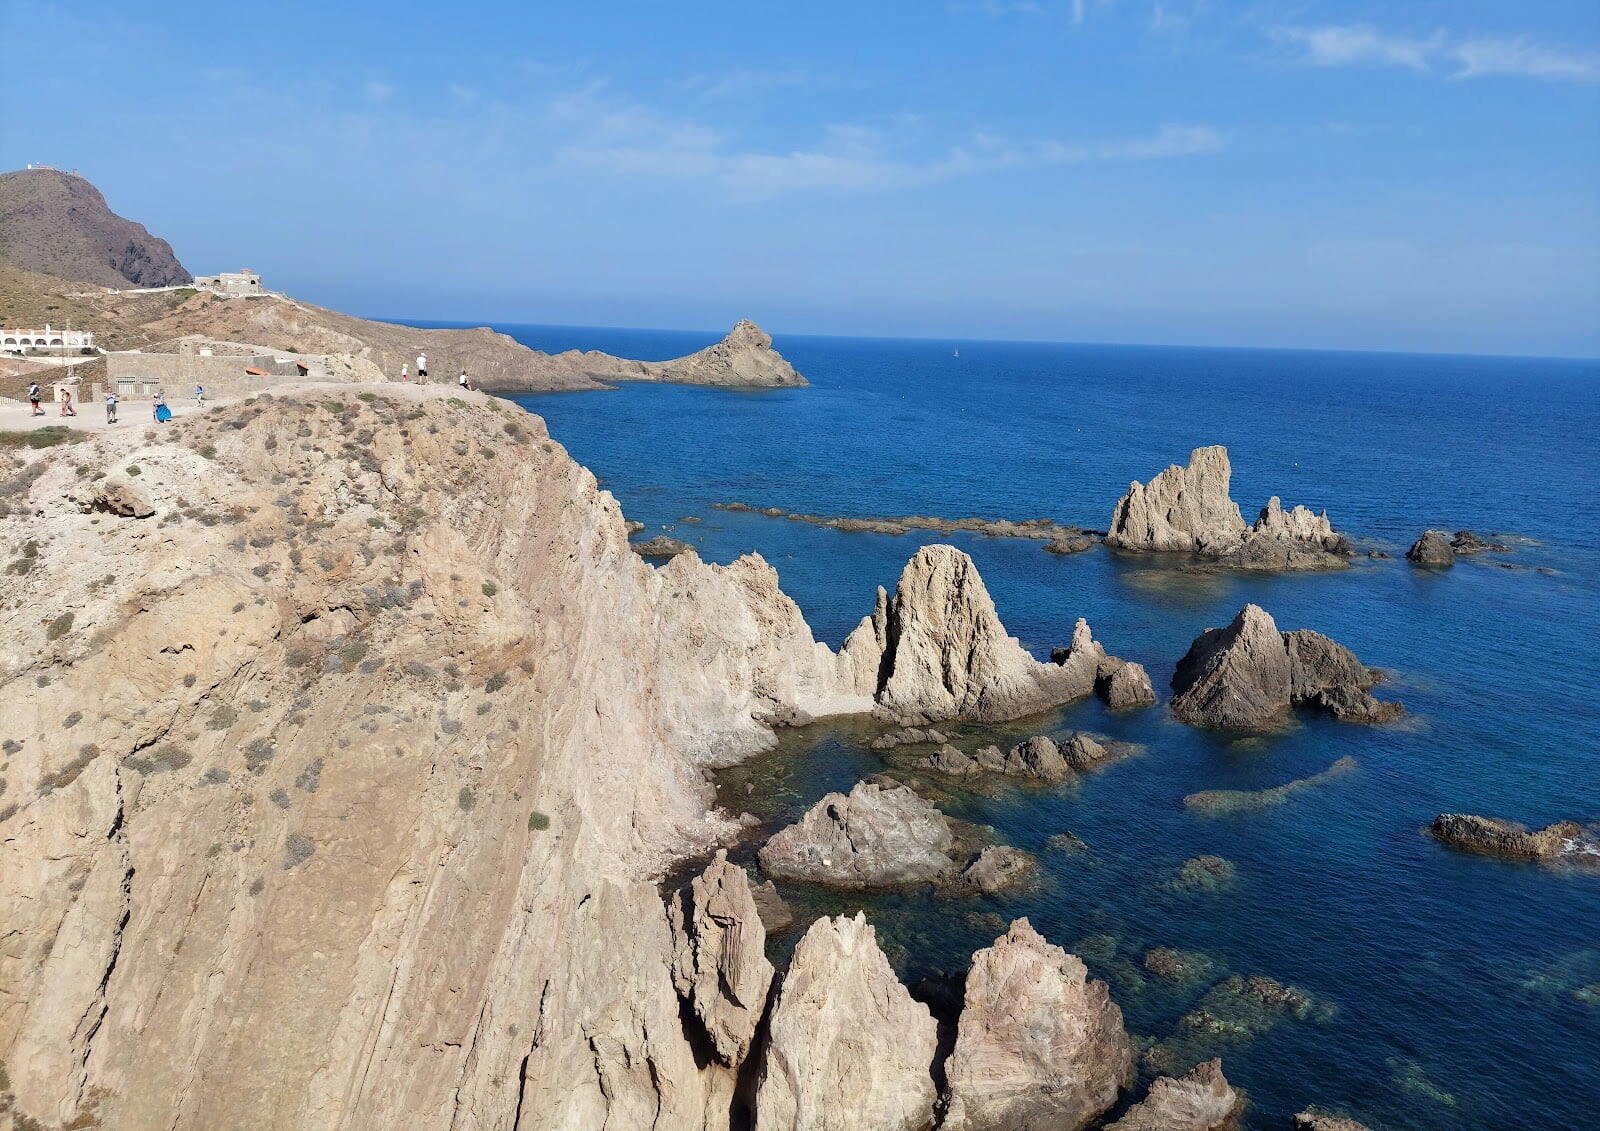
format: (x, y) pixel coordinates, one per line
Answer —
(422, 367)
(465, 382)
(405, 374)
(111, 406)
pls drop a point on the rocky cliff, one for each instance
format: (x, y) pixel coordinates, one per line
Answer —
(1189, 510)
(334, 785)
(58, 224)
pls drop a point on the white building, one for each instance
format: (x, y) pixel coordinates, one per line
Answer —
(16, 341)
(231, 283)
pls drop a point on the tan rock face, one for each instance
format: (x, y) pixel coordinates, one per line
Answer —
(719, 957)
(1199, 1101)
(1040, 1047)
(336, 786)
(744, 358)
(1181, 509)
(849, 1050)
(937, 650)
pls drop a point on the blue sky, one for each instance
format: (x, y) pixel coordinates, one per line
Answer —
(1412, 176)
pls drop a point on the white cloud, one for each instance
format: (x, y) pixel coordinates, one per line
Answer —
(1440, 53)
(1519, 57)
(632, 141)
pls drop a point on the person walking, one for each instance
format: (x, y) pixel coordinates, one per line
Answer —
(199, 394)
(111, 406)
(405, 374)
(34, 393)
(422, 367)
(158, 407)
(66, 403)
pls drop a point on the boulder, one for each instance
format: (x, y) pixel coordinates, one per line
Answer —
(115, 494)
(997, 868)
(1432, 550)
(1037, 759)
(937, 651)
(719, 963)
(1038, 1044)
(1075, 543)
(881, 835)
(848, 1049)
(661, 546)
(776, 915)
(1466, 542)
(1199, 1101)
(1247, 675)
(1125, 685)
(1488, 836)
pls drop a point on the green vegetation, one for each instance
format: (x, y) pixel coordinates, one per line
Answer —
(490, 589)
(466, 799)
(49, 436)
(134, 469)
(495, 683)
(59, 627)
(537, 822)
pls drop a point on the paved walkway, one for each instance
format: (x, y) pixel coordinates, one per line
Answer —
(15, 416)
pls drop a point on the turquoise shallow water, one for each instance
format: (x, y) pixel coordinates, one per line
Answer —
(1449, 990)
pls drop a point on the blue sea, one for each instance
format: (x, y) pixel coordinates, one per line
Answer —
(1450, 991)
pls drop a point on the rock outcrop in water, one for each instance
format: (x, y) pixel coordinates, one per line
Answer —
(937, 651)
(1247, 675)
(1313, 1120)
(744, 358)
(1225, 802)
(1199, 1101)
(848, 1048)
(1039, 759)
(1059, 539)
(1189, 510)
(1039, 1045)
(1565, 842)
(1433, 550)
(719, 962)
(878, 836)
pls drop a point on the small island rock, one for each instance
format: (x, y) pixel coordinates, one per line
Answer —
(881, 835)
(1432, 550)
(1200, 1101)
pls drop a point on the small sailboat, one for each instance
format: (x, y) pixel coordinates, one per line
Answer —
(957, 354)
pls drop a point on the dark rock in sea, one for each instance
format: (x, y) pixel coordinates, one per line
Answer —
(1233, 1011)
(774, 911)
(906, 736)
(1378, 554)
(661, 546)
(1203, 874)
(1066, 842)
(1071, 543)
(1565, 842)
(1432, 550)
(1124, 685)
(1038, 759)
(1466, 542)
(996, 869)
(1223, 802)
(878, 836)
(1202, 1100)
(1247, 675)
(1059, 539)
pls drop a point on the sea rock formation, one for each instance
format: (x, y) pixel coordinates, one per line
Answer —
(848, 1048)
(1247, 675)
(937, 651)
(997, 868)
(1199, 1101)
(877, 836)
(1059, 539)
(1039, 1045)
(1313, 1120)
(1468, 542)
(1562, 842)
(1189, 510)
(1039, 759)
(1432, 550)
(743, 358)
(373, 761)
(719, 962)
(1125, 686)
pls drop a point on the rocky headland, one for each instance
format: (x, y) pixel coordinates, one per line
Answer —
(1248, 675)
(744, 358)
(1188, 510)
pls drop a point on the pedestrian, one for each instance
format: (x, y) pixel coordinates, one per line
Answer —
(422, 367)
(111, 406)
(158, 407)
(34, 393)
(66, 403)
(405, 374)
(199, 394)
